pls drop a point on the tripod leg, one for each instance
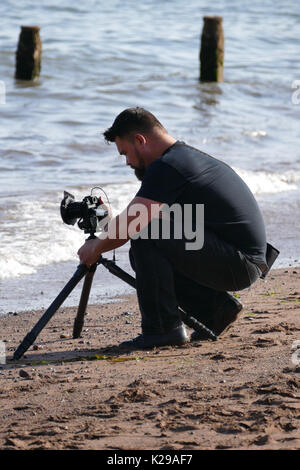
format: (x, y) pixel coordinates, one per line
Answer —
(79, 320)
(31, 336)
(196, 325)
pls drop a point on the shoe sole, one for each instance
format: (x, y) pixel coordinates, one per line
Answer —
(152, 346)
(179, 341)
(236, 317)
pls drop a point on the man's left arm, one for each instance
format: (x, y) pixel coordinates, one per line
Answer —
(137, 215)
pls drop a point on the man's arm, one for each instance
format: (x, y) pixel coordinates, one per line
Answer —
(137, 215)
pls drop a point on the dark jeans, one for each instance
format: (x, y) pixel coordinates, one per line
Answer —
(168, 276)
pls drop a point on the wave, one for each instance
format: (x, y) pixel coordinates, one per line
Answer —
(262, 182)
(34, 235)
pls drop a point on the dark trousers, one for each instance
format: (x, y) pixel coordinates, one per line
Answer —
(168, 276)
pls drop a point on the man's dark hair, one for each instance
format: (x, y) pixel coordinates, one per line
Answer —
(137, 120)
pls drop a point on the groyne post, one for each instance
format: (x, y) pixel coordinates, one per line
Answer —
(212, 50)
(28, 55)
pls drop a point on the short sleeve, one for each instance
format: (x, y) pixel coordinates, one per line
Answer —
(162, 183)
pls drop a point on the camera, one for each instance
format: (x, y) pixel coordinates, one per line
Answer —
(91, 212)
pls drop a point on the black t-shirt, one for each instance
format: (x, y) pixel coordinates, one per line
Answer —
(186, 175)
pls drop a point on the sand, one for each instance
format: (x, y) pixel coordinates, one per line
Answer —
(240, 392)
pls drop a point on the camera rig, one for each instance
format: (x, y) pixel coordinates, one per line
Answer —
(91, 212)
(93, 216)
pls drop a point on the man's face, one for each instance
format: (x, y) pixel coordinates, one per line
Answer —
(133, 156)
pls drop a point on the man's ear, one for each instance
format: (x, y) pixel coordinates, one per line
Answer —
(140, 139)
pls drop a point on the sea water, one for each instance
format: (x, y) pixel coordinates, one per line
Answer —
(99, 58)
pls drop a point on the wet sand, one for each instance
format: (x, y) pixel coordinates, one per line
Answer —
(240, 392)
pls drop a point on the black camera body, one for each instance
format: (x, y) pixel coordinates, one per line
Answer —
(91, 212)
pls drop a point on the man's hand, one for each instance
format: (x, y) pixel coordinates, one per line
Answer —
(89, 253)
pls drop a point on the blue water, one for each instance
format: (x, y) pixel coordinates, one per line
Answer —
(99, 58)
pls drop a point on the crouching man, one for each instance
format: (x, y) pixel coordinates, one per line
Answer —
(227, 249)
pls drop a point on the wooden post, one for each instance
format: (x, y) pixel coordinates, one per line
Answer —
(28, 55)
(212, 50)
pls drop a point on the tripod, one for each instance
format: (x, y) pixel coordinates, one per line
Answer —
(80, 272)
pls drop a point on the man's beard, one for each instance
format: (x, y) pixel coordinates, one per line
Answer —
(139, 172)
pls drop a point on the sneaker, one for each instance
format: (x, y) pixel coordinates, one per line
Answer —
(175, 337)
(222, 319)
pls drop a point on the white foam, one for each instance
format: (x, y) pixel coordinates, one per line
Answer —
(255, 133)
(34, 234)
(264, 182)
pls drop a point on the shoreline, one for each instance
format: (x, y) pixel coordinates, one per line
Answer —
(37, 291)
(240, 392)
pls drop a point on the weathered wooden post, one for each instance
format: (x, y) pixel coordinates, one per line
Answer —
(212, 50)
(28, 55)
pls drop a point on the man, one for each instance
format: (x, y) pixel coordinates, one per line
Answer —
(170, 273)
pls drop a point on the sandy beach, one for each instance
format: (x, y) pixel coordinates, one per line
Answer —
(240, 392)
